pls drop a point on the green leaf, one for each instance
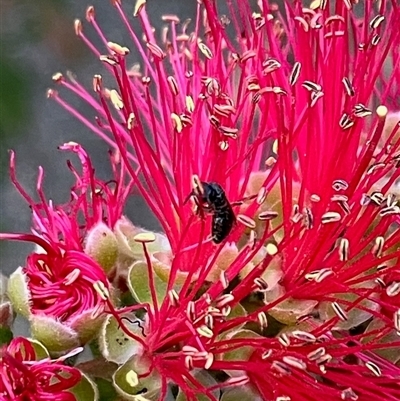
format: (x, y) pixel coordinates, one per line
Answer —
(355, 316)
(240, 354)
(115, 345)
(205, 379)
(85, 390)
(138, 283)
(242, 393)
(244, 352)
(6, 335)
(391, 354)
(289, 310)
(237, 311)
(106, 390)
(163, 271)
(224, 260)
(127, 383)
(95, 348)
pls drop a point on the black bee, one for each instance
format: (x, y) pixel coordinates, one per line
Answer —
(211, 198)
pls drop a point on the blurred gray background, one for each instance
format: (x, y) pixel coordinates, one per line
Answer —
(37, 39)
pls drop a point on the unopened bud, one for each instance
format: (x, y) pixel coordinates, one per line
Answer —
(102, 246)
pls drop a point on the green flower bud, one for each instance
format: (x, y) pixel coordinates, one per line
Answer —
(102, 245)
(126, 232)
(18, 292)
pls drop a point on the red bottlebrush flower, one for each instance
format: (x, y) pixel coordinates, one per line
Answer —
(92, 201)
(23, 377)
(62, 286)
(57, 287)
(288, 119)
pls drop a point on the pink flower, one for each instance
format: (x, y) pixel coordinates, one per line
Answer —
(24, 377)
(291, 117)
(92, 201)
(62, 286)
(57, 288)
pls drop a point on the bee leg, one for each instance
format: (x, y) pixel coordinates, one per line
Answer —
(199, 209)
(188, 197)
(200, 212)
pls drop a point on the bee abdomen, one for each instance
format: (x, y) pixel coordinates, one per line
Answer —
(222, 224)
